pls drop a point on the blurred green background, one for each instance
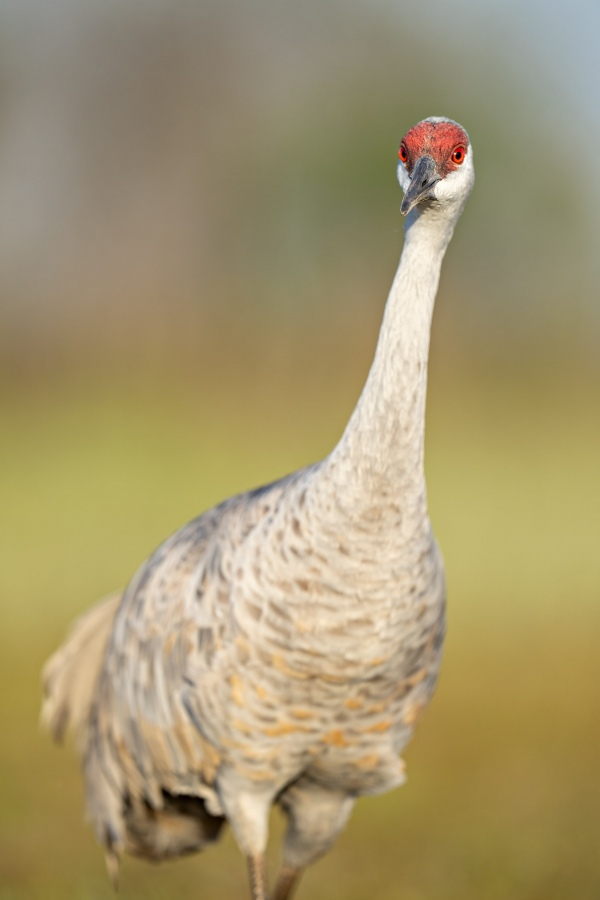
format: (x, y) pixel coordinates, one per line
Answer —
(199, 223)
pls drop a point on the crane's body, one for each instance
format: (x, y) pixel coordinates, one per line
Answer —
(281, 647)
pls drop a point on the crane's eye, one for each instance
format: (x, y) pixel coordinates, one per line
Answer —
(458, 155)
(403, 155)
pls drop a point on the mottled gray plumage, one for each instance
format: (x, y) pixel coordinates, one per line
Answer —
(281, 647)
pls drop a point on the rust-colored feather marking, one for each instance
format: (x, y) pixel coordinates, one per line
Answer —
(367, 762)
(336, 738)
(377, 727)
(353, 702)
(237, 690)
(284, 728)
(281, 666)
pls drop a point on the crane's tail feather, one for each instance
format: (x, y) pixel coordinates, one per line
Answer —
(70, 675)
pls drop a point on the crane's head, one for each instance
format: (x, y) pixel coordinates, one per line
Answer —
(436, 165)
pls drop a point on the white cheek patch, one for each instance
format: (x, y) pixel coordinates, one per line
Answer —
(457, 183)
(448, 186)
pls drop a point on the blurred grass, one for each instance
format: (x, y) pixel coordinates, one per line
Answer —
(503, 792)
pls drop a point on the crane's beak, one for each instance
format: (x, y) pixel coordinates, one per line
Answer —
(424, 175)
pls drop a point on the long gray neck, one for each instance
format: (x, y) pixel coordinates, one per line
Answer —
(378, 463)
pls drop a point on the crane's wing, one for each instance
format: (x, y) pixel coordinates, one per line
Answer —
(158, 725)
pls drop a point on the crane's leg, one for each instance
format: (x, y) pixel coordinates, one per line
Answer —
(286, 882)
(246, 807)
(257, 871)
(316, 816)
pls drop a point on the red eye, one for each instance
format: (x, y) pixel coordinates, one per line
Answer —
(458, 155)
(402, 154)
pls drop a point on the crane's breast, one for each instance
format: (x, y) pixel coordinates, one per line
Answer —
(267, 656)
(330, 676)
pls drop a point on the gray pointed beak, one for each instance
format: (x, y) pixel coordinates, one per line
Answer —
(424, 176)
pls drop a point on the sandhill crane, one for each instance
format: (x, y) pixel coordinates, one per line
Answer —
(281, 647)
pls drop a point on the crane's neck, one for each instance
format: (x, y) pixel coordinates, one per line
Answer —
(378, 464)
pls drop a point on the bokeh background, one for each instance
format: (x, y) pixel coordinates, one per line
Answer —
(199, 223)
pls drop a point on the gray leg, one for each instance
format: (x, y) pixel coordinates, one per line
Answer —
(287, 881)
